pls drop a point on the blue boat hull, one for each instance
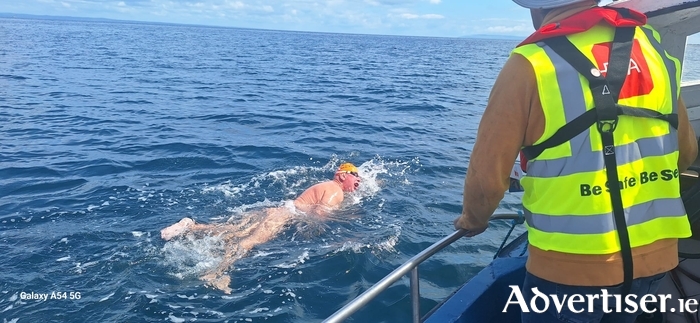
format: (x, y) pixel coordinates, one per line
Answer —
(483, 298)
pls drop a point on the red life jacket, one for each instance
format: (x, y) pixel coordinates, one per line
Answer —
(585, 20)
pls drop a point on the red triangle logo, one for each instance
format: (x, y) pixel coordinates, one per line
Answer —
(638, 81)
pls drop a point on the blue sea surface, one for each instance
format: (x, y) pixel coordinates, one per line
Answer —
(111, 131)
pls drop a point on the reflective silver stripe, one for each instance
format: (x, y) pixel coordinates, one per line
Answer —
(567, 78)
(574, 106)
(670, 66)
(589, 161)
(603, 223)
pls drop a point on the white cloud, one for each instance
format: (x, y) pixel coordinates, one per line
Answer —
(426, 16)
(235, 4)
(198, 5)
(508, 29)
(433, 16)
(400, 17)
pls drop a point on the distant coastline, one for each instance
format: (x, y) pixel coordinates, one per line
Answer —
(693, 39)
(495, 37)
(70, 18)
(106, 20)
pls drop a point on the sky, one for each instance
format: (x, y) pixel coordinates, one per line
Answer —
(441, 18)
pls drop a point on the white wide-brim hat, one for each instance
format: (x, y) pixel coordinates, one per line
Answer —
(545, 4)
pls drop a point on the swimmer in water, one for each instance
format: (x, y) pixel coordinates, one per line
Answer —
(258, 227)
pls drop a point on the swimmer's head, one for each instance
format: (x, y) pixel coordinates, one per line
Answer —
(349, 177)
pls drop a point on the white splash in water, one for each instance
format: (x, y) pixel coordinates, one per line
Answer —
(260, 254)
(258, 310)
(106, 297)
(192, 256)
(239, 211)
(385, 245)
(80, 268)
(227, 188)
(300, 260)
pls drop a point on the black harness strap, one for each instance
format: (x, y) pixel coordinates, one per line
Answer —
(671, 118)
(564, 134)
(586, 120)
(605, 91)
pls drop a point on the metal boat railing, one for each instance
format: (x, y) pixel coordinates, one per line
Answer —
(412, 266)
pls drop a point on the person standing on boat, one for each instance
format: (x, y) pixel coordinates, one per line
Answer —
(255, 228)
(591, 98)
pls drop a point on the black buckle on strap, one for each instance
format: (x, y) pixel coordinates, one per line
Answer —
(607, 126)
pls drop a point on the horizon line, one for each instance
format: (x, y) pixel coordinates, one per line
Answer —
(99, 19)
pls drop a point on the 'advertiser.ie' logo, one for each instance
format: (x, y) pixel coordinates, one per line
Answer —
(638, 81)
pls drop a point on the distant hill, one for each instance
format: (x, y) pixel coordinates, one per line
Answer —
(88, 19)
(70, 18)
(26, 16)
(495, 37)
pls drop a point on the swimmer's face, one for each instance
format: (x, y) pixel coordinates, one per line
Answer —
(351, 181)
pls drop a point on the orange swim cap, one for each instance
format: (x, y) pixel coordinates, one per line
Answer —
(348, 168)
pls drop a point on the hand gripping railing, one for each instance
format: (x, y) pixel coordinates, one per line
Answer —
(412, 266)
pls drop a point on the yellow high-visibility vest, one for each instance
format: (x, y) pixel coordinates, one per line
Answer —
(566, 202)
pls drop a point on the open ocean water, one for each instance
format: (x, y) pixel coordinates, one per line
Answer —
(110, 131)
